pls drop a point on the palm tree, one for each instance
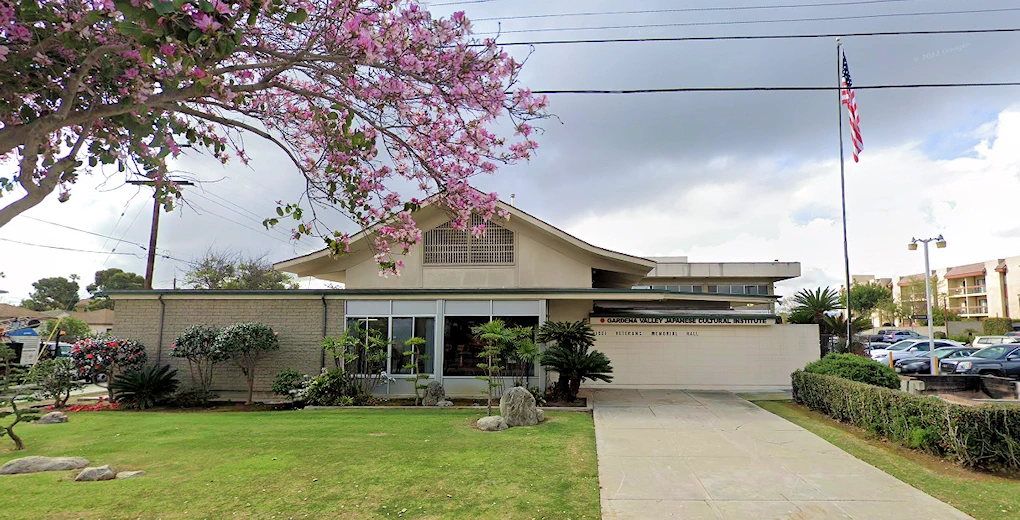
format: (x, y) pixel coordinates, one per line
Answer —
(813, 306)
(570, 356)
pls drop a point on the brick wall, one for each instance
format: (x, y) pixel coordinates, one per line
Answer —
(298, 321)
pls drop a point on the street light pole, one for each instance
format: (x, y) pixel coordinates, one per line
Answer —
(939, 243)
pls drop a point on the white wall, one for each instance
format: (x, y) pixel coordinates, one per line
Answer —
(709, 357)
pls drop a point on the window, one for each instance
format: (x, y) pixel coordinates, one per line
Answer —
(445, 245)
(739, 289)
(513, 368)
(405, 329)
(461, 349)
(371, 331)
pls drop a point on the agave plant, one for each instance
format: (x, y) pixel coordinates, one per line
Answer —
(570, 356)
(146, 387)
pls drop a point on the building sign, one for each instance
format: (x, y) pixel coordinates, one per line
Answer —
(686, 320)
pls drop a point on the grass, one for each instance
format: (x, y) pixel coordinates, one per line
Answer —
(310, 464)
(982, 495)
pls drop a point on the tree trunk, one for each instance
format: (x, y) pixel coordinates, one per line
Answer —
(251, 386)
(18, 445)
(575, 386)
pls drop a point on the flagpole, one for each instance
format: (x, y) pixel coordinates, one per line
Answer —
(842, 193)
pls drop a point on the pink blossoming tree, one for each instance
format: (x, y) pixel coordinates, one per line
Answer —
(361, 96)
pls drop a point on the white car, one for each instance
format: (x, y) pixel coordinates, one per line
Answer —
(986, 341)
(909, 348)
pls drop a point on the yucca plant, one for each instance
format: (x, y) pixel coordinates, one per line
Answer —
(569, 354)
(146, 387)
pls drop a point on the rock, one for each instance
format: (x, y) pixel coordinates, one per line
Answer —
(37, 464)
(53, 418)
(96, 473)
(540, 415)
(517, 406)
(492, 423)
(129, 474)
(444, 403)
(434, 393)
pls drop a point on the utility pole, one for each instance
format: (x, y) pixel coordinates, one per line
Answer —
(150, 264)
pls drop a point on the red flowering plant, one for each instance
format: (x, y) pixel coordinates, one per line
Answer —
(95, 357)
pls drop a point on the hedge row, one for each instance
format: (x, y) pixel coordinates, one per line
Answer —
(985, 437)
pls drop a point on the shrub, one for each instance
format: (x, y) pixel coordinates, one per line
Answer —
(855, 368)
(940, 335)
(570, 356)
(360, 351)
(975, 436)
(145, 388)
(96, 357)
(246, 343)
(56, 378)
(335, 388)
(997, 326)
(190, 396)
(198, 346)
(961, 338)
(288, 382)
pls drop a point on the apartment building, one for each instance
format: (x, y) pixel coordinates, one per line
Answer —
(988, 289)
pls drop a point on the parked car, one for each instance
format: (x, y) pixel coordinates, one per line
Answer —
(920, 363)
(984, 341)
(1000, 360)
(899, 335)
(910, 348)
(878, 336)
(1014, 334)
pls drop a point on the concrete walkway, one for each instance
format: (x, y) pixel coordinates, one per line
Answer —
(712, 455)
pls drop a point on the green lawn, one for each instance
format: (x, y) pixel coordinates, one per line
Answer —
(981, 495)
(309, 464)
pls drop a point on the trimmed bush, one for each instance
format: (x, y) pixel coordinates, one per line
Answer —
(855, 368)
(961, 338)
(986, 437)
(997, 326)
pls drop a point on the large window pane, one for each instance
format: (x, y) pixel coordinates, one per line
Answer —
(404, 329)
(460, 348)
(513, 367)
(366, 360)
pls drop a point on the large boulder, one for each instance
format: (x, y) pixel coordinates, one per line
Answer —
(434, 393)
(37, 464)
(493, 423)
(95, 474)
(517, 406)
(53, 418)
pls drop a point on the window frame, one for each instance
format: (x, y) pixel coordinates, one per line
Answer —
(472, 245)
(389, 336)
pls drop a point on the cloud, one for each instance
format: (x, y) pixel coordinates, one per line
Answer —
(893, 195)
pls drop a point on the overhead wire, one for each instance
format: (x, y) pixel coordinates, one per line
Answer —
(773, 88)
(82, 231)
(750, 22)
(688, 10)
(761, 37)
(61, 248)
(262, 231)
(236, 212)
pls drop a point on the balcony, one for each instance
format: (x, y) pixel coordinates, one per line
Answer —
(956, 292)
(970, 311)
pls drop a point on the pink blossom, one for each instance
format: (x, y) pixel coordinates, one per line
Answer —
(205, 23)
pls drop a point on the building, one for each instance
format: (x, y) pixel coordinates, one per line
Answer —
(988, 289)
(664, 323)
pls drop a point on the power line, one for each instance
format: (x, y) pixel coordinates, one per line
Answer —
(688, 10)
(126, 231)
(748, 22)
(66, 248)
(760, 37)
(775, 89)
(83, 231)
(257, 221)
(239, 223)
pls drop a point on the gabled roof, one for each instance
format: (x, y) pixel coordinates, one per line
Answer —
(303, 265)
(964, 271)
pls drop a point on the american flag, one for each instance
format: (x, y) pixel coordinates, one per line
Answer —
(846, 96)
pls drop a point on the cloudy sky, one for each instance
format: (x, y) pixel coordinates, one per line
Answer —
(738, 176)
